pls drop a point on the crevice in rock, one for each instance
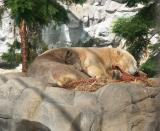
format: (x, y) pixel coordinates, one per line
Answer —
(122, 109)
(145, 97)
(5, 117)
(76, 123)
(149, 96)
(101, 113)
(98, 125)
(135, 124)
(37, 91)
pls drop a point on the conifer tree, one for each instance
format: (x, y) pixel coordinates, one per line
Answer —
(28, 12)
(137, 29)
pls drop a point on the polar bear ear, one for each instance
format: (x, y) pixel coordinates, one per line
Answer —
(68, 53)
(68, 57)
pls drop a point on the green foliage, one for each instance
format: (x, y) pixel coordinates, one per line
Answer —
(28, 13)
(147, 15)
(138, 49)
(149, 67)
(2, 9)
(35, 49)
(131, 3)
(35, 43)
(12, 57)
(130, 28)
(155, 49)
(91, 42)
(68, 2)
(36, 11)
(135, 30)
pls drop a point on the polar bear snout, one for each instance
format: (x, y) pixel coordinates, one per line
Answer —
(133, 70)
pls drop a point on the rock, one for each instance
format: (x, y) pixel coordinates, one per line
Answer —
(21, 125)
(25, 104)
(7, 29)
(93, 19)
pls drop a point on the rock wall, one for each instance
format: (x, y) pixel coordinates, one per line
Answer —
(26, 103)
(92, 19)
(6, 32)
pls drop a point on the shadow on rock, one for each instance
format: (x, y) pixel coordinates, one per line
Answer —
(21, 125)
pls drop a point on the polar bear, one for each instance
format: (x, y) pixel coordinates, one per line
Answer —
(54, 73)
(57, 67)
(98, 62)
(90, 63)
(63, 65)
(118, 57)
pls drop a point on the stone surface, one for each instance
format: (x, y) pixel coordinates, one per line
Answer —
(92, 19)
(6, 32)
(21, 125)
(26, 104)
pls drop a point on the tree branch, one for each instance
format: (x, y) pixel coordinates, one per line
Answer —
(153, 34)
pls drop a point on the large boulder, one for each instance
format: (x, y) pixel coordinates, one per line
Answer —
(28, 105)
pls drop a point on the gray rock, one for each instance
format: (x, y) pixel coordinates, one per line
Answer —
(25, 104)
(85, 22)
(21, 125)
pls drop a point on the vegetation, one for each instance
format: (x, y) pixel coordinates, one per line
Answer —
(136, 29)
(27, 13)
(13, 56)
(1, 13)
(155, 49)
(131, 3)
(89, 43)
(151, 65)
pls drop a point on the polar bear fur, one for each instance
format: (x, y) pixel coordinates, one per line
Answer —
(61, 65)
(51, 68)
(98, 61)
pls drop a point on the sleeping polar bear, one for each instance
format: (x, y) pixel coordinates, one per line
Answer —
(51, 68)
(76, 63)
(98, 62)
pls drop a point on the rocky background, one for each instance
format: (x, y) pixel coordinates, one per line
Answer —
(25, 104)
(94, 19)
